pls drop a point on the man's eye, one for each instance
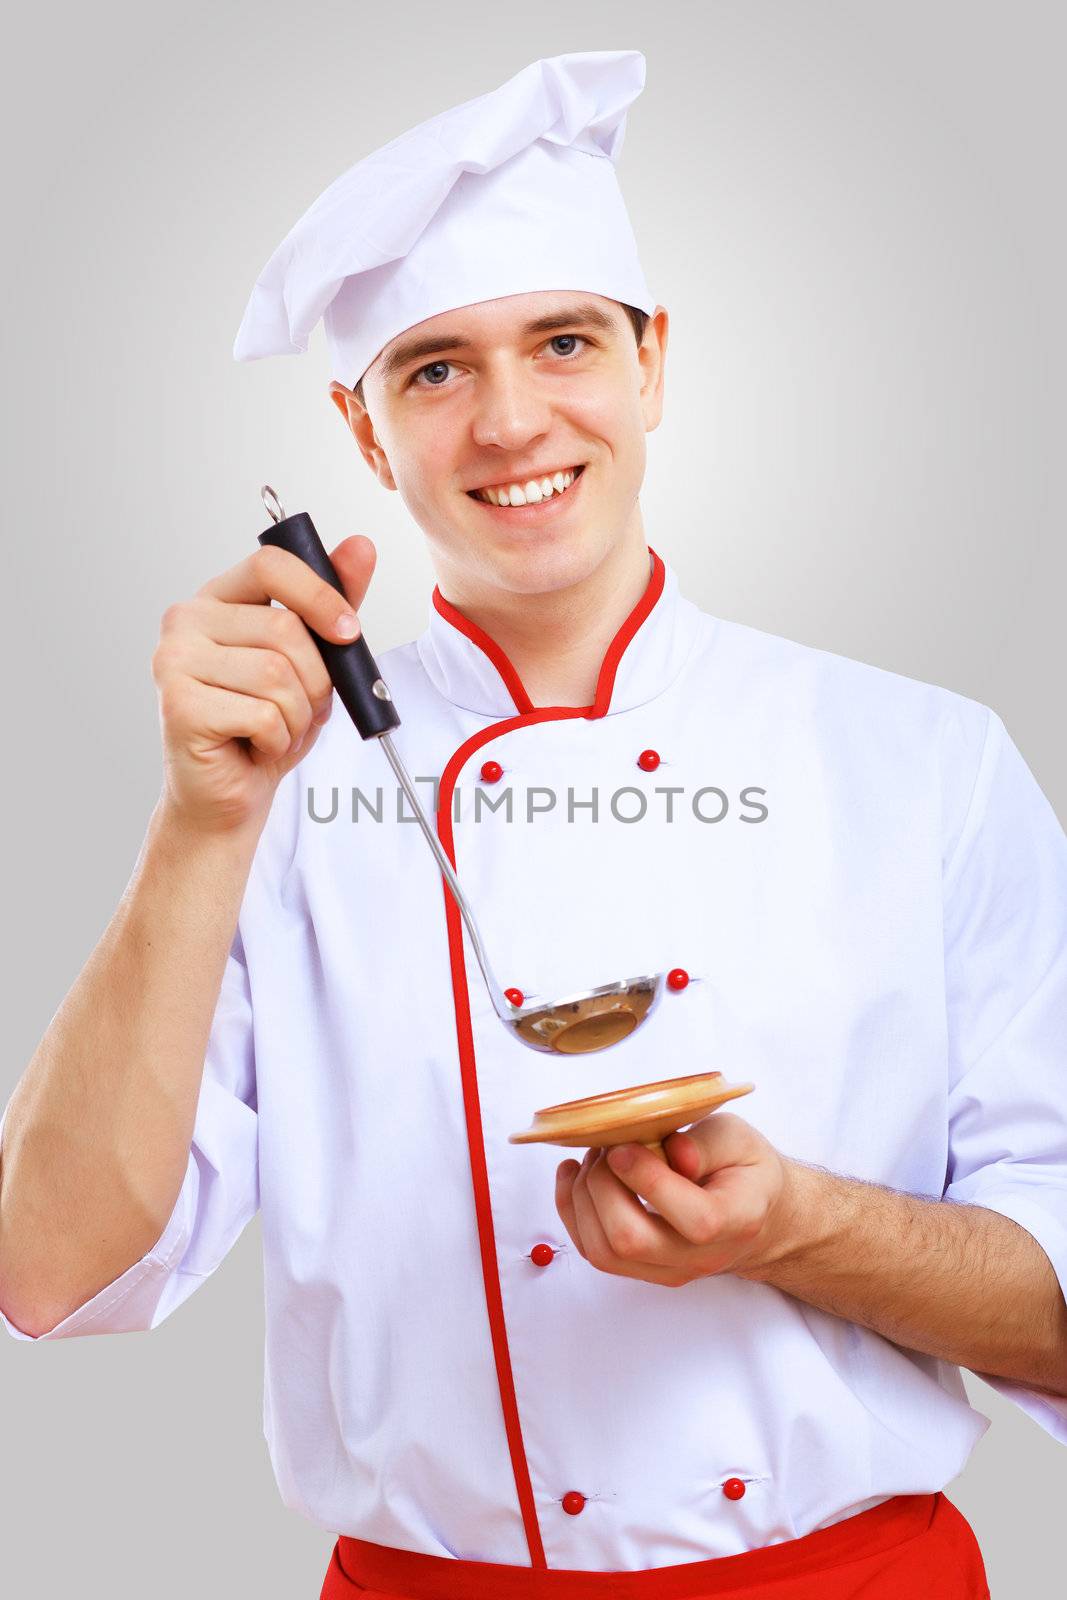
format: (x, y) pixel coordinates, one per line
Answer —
(432, 366)
(578, 336)
(444, 365)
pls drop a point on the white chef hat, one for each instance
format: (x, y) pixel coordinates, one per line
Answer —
(511, 192)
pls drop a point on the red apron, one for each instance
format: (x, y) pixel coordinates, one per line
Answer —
(912, 1547)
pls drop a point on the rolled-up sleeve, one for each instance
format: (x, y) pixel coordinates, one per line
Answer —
(1005, 927)
(219, 1193)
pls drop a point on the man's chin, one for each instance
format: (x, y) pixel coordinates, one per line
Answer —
(484, 552)
(545, 565)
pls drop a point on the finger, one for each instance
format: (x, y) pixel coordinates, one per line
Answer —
(598, 1247)
(632, 1233)
(565, 1175)
(266, 674)
(270, 573)
(269, 628)
(354, 560)
(724, 1140)
(595, 1246)
(733, 1158)
(689, 1209)
(684, 1155)
(211, 716)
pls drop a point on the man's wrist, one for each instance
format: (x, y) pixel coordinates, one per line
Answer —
(805, 1218)
(185, 834)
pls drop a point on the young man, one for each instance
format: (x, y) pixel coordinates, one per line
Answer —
(491, 1371)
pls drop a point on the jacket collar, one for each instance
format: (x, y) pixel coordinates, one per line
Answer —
(648, 651)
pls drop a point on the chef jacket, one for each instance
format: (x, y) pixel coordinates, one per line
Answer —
(868, 892)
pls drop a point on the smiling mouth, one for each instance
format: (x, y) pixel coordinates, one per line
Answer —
(535, 491)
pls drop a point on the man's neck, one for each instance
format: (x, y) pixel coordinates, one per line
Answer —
(557, 641)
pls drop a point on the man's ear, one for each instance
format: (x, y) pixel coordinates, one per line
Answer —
(358, 419)
(651, 358)
(341, 397)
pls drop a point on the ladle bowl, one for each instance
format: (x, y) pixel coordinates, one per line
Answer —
(590, 1020)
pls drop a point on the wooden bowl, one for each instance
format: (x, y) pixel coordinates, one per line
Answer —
(644, 1114)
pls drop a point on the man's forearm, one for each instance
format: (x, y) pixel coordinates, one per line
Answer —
(97, 1138)
(959, 1282)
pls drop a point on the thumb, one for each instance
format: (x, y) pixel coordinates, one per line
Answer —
(355, 559)
(683, 1154)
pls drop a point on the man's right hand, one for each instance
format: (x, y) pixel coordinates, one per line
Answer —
(243, 690)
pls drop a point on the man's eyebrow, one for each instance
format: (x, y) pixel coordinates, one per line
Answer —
(584, 313)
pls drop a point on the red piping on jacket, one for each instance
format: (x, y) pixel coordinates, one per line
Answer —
(528, 715)
(522, 700)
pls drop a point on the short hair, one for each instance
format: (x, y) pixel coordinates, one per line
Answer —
(638, 319)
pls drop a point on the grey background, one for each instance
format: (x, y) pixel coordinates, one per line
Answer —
(849, 211)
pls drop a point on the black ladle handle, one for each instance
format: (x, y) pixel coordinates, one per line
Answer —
(353, 670)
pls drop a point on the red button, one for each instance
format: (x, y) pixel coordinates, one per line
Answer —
(733, 1488)
(677, 978)
(573, 1502)
(542, 1254)
(492, 771)
(514, 997)
(648, 760)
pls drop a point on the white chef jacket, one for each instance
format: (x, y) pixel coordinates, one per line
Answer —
(868, 890)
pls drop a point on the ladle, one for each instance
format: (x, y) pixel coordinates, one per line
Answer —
(577, 1024)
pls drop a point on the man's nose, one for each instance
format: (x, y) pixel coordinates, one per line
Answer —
(510, 408)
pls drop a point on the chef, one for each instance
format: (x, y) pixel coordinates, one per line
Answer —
(492, 1369)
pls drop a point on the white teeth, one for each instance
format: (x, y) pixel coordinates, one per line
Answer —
(517, 494)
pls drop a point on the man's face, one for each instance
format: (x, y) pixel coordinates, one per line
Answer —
(480, 397)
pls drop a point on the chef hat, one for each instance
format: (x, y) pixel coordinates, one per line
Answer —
(511, 192)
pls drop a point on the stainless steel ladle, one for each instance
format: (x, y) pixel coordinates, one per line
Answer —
(577, 1024)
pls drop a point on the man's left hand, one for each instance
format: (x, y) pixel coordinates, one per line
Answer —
(723, 1204)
